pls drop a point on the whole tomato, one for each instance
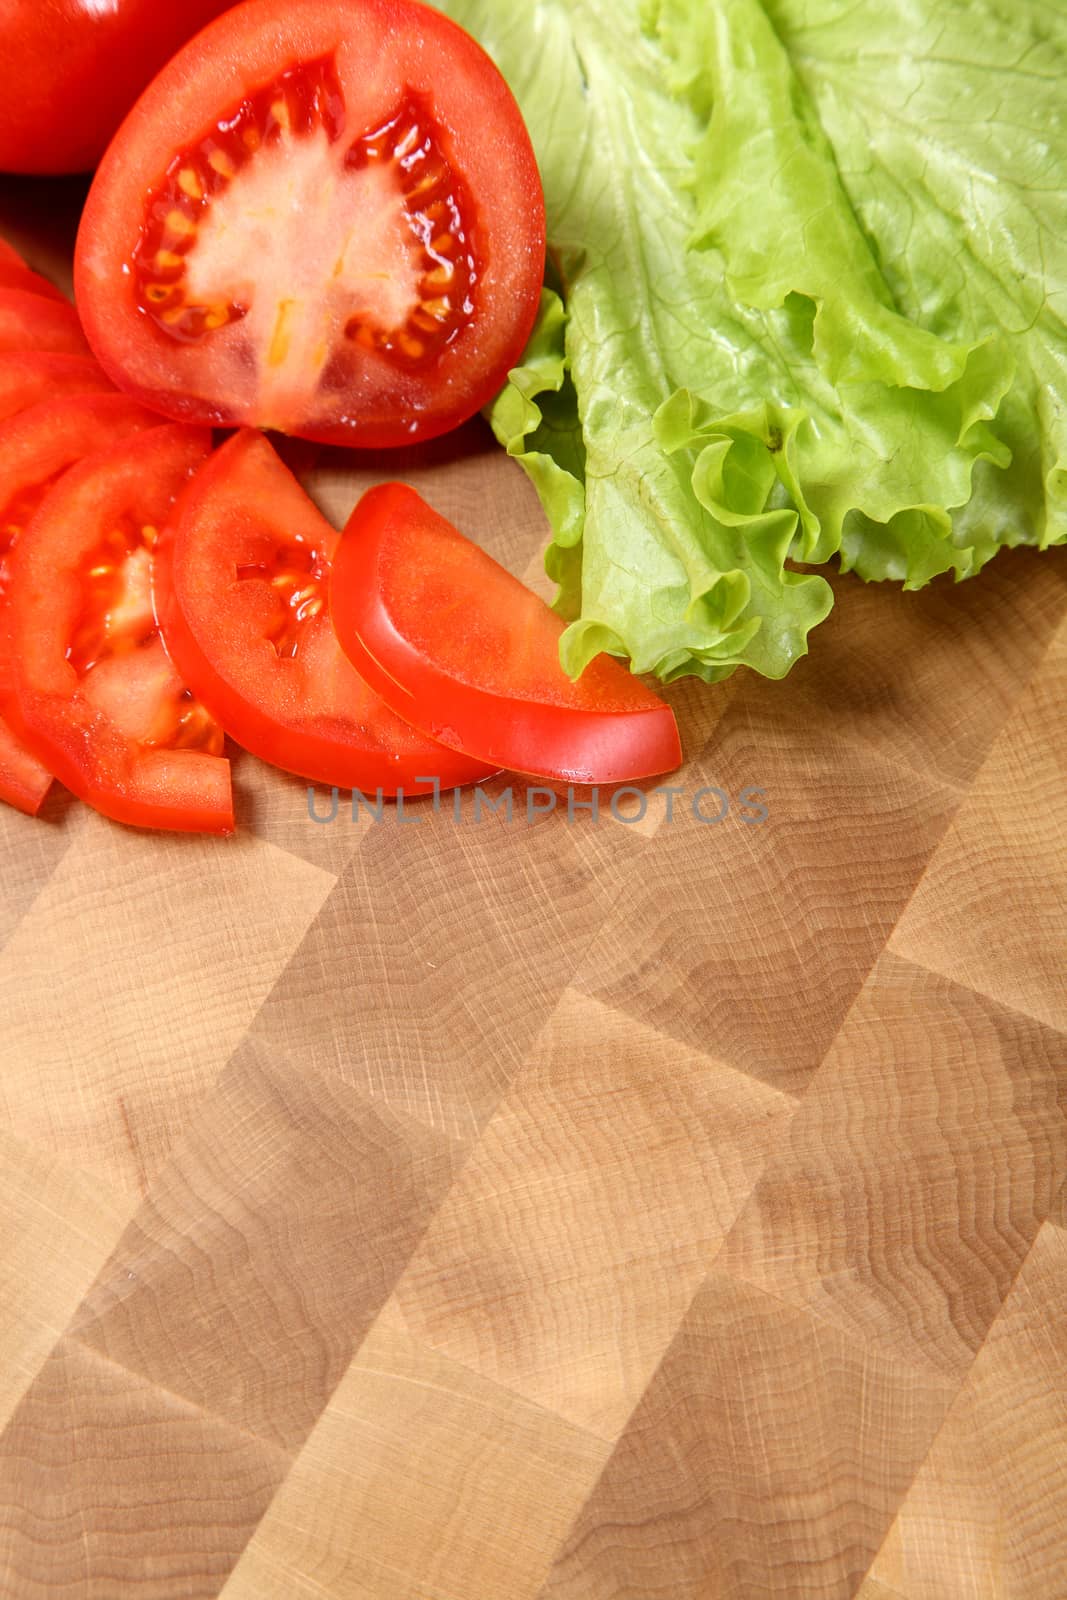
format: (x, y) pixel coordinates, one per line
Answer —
(71, 69)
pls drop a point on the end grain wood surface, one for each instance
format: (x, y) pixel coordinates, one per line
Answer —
(592, 1211)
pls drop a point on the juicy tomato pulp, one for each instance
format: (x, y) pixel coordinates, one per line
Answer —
(348, 244)
(36, 447)
(241, 597)
(94, 694)
(470, 656)
(71, 69)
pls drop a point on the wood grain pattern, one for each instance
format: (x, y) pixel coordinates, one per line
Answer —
(559, 1209)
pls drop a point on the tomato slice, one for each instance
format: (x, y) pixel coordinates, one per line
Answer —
(35, 322)
(94, 694)
(324, 218)
(241, 597)
(470, 656)
(24, 781)
(36, 447)
(16, 275)
(29, 376)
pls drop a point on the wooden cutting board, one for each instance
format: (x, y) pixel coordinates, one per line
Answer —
(574, 1209)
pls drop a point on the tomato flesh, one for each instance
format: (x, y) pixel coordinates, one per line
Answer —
(470, 656)
(93, 691)
(347, 245)
(30, 376)
(242, 601)
(34, 322)
(37, 446)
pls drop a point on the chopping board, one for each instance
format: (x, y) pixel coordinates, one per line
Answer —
(664, 1203)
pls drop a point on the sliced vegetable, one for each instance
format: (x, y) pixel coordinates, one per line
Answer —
(94, 694)
(24, 782)
(36, 447)
(29, 376)
(242, 600)
(17, 275)
(323, 218)
(470, 656)
(34, 322)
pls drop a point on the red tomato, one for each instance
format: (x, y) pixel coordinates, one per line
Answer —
(324, 218)
(24, 782)
(34, 322)
(16, 275)
(27, 377)
(470, 656)
(71, 69)
(94, 694)
(241, 596)
(36, 447)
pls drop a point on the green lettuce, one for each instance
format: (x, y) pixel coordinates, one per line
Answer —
(808, 302)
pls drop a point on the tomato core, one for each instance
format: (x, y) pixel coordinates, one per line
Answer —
(374, 236)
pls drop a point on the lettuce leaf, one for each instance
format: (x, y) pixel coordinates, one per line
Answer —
(812, 267)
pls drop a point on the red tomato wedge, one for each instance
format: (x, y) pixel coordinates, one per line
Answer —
(29, 376)
(34, 322)
(36, 447)
(94, 694)
(470, 656)
(24, 782)
(241, 597)
(16, 275)
(323, 218)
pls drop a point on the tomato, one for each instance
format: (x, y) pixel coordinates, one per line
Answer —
(71, 69)
(27, 377)
(34, 322)
(470, 656)
(94, 694)
(16, 275)
(241, 597)
(323, 218)
(36, 447)
(24, 782)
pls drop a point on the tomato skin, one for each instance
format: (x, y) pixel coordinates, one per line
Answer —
(18, 276)
(310, 714)
(383, 49)
(28, 377)
(54, 708)
(71, 69)
(469, 655)
(35, 322)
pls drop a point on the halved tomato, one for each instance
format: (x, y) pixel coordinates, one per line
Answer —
(36, 447)
(93, 692)
(323, 218)
(470, 656)
(29, 376)
(241, 598)
(35, 322)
